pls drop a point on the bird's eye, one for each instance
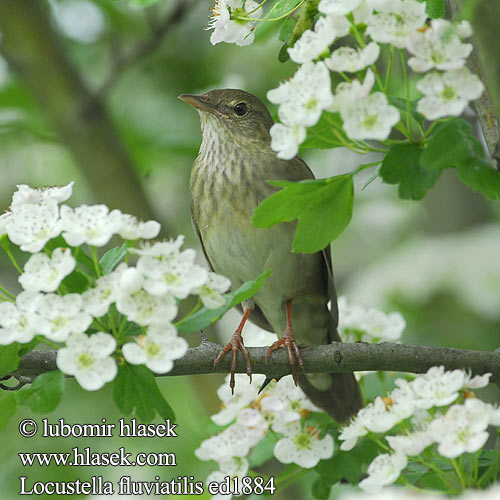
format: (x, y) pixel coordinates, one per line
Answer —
(240, 109)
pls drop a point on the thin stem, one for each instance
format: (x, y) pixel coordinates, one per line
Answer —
(6, 292)
(190, 313)
(365, 166)
(347, 144)
(439, 473)
(458, 473)
(372, 148)
(13, 260)
(95, 260)
(389, 68)
(248, 18)
(407, 88)
(258, 7)
(48, 342)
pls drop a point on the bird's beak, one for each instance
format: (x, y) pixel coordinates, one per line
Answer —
(197, 102)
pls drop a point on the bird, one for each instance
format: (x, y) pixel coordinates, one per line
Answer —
(228, 181)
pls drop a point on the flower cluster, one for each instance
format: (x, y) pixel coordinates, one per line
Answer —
(366, 115)
(392, 493)
(278, 413)
(434, 409)
(231, 21)
(146, 294)
(357, 324)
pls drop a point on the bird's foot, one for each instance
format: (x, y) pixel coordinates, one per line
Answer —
(235, 345)
(294, 356)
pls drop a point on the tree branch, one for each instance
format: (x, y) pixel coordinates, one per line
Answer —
(144, 48)
(333, 358)
(35, 53)
(485, 62)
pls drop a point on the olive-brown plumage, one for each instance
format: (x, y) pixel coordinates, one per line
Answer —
(228, 181)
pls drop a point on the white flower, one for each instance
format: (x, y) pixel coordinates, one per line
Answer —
(234, 467)
(371, 117)
(96, 301)
(285, 140)
(476, 382)
(32, 225)
(383, 470)
(351, 433)
(19, 322)
(395, 20)
(312, 43)
(44, 274)
(462, 429)
(235, 441)
(26, 195)
(437, 47)
(352, 60)
(437, 387)
(88, 359)
(91, 224)
(410, 444)
(244, 394)
(146, 309)
(211, 291)
(252, 419)
(368, 325)
(304, 96)
(167, 270)
(448, 93)
(304, 447)
(348, 93)
(132, 229)
(338, 7)
(228, 28)
(157, 349)
(64, 315)
(286, 402)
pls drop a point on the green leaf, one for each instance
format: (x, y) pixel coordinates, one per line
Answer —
(452, 145)
(400, 103)
(136, 393)
(44, 394)
(286, 29)
(205, 317)
(348, 465)
(481, 177)
(321, 136)
(280, 8)
(320, 489)
(402, 166)
(322, 206)
(263, 451)
(435, 8)
(76, 282)
(112, 258)
(9, 358)
(448, 145)
(8, 406)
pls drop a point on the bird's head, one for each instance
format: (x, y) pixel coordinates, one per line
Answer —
(233, 115)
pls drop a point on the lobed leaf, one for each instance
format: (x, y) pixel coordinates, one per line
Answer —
(136, 393)
(323, 208)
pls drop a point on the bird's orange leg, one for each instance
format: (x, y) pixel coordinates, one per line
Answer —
(235, 345)
(288, 340)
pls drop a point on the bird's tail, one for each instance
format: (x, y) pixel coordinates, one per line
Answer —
(336, 393)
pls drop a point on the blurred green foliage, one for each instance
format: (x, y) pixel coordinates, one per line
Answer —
(161, 135)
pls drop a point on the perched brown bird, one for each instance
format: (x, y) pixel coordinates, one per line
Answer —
(228, 181)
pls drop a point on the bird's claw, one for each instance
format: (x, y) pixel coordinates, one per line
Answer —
(236, 344)
(294, 356)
